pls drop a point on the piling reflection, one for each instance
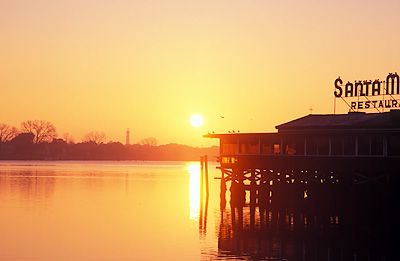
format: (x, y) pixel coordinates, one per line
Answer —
(194, 191)
(361, 229)
(204, 196)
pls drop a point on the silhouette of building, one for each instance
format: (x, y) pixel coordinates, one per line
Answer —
(357, 141)
(316, 160)
(320, 178)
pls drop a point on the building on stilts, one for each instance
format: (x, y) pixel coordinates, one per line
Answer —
(317, 171)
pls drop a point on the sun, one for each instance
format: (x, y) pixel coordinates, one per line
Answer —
(196, 120)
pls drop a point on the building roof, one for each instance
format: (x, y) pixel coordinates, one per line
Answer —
(358, 122)
(352, 120)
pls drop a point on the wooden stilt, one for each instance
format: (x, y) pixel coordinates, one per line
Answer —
(201, 191)
(223, 191)
(206, 175)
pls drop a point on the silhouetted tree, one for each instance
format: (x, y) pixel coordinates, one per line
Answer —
(68, 138)
(58, 149)
(43, 131)
(151, 141)
(94, 136)
(7, 133)
(23, 142)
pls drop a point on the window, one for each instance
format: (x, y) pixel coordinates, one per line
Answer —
(243, 148)
(336, 146)
(288, 146)
(363, 145)
(349, 145)
(323, 146)
(253, 146)
(317, 146)
(229, 160)
(312, 146)
(265, 146)
(228, 146)
(376, 145)
(299, 146)
(277, 148)
(394, 145)
(276, 145)
(293, 146)
(289, 149)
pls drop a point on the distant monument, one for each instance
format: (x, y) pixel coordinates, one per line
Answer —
(127, 137)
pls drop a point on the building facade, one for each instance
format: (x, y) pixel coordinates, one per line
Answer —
(354, 141)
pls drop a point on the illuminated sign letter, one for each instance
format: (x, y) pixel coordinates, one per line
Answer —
(392, 77)
(366, 84)
(348, 89)
(339, 91)
(376, 88)
(356, 89)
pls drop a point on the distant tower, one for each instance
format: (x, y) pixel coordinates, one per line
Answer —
(127, 137)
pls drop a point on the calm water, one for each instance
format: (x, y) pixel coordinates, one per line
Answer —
(148, 211)
(104, 211)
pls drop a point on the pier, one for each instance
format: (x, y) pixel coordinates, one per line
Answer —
(315, 172)
(310, 157)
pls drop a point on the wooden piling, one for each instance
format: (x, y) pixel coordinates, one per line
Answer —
(206, 175)
(201, 191)
(201, 177)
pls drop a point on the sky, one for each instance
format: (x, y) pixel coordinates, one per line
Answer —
(97, 65)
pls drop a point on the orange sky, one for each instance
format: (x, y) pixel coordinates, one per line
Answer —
(96, 65)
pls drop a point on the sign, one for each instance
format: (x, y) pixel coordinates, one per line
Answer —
(370, 89)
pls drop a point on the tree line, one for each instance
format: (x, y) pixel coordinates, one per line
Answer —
(38, 140)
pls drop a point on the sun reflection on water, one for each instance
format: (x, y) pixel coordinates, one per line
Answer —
(194, 191)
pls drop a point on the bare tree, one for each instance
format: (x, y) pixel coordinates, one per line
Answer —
(7, 133)
(151, 141)
(68, 138)
(94, 136)
(43, 131)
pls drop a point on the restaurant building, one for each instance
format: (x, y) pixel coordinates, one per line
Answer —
(316, 160)
(355, 141)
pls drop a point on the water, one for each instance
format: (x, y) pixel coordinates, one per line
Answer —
(103, 211)
(132, 210)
